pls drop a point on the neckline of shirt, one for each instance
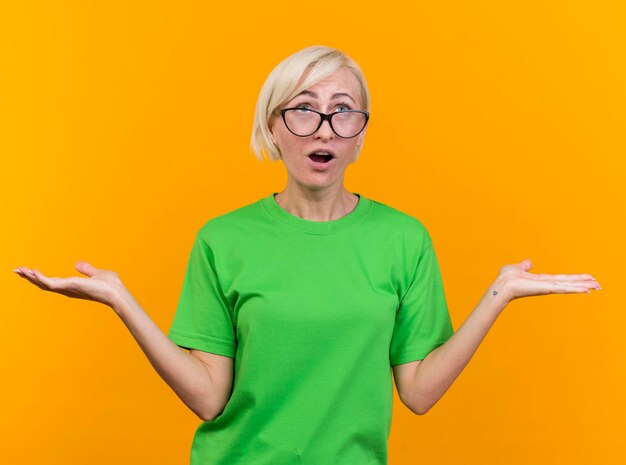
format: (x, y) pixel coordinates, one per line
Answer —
(271, 206)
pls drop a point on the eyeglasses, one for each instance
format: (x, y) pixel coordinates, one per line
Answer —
(303, 122)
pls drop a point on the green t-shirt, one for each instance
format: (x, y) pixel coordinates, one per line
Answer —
(314, 315)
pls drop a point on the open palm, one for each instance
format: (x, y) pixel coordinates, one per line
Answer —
(100, 286)
(518, 282)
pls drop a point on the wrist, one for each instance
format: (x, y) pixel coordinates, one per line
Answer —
(497, 294)
(119, 298)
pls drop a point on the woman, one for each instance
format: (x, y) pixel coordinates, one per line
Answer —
(296, 308)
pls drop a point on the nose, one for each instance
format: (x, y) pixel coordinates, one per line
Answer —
(325, 131)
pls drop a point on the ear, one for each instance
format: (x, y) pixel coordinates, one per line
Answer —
(361, 138)
(359, 145)
(271, 124)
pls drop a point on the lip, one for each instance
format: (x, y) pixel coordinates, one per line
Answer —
(321, 166)
(322, 149)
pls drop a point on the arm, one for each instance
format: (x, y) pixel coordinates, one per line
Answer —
(201, 380)
(422, 383)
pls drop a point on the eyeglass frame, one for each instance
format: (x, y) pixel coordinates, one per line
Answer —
(324, 117)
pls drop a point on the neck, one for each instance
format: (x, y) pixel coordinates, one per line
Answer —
(317, 205)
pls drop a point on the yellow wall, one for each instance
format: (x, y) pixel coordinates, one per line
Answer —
(125, 127)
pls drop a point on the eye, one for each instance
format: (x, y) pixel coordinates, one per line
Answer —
(303, 105)
(344, 105)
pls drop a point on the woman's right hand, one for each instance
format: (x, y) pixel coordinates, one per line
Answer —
(101, 285)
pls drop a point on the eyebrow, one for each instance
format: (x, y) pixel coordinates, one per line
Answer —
(336, 95)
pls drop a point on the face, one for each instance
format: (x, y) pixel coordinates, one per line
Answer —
(338, 91)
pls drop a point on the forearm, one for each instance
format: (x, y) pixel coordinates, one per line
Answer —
(438, 370)
(185, 374)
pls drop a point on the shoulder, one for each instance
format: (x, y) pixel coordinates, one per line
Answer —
(397, 221)
(231, 224)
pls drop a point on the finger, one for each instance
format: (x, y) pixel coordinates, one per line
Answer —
(578, 287)
(564, 277)
(586, 282)
(526, 264)
(590, 285)
(19, 272)
(24, 271)
(28, 275)
(86, 268)
(48, 283)
(38, 278)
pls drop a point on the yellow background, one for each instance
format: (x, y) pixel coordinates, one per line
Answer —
(124, 127)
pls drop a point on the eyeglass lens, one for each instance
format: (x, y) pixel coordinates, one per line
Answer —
(305, 123)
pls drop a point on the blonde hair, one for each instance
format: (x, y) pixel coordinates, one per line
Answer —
(282, 85)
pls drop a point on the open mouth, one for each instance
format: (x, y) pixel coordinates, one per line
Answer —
(321, 157)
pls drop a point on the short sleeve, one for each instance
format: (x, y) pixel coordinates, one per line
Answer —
(422, 319)
(203, 318)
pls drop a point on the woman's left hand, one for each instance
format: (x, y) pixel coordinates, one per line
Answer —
(514, 281)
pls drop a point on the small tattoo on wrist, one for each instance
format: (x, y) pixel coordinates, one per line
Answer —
(495, 292)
